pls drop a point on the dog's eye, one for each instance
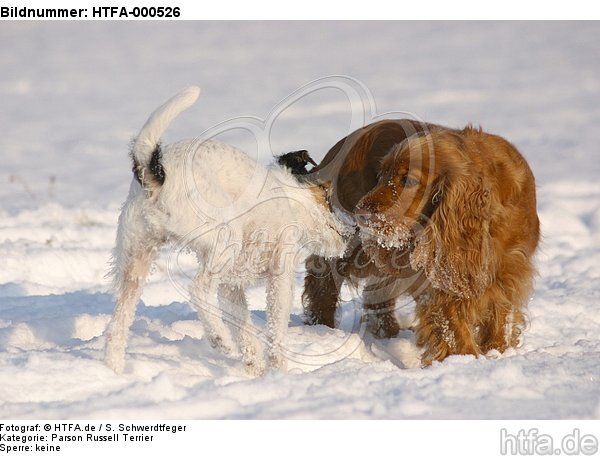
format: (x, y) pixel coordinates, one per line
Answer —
(407, 181)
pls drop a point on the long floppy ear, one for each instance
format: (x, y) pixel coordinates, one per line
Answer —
(455, 247)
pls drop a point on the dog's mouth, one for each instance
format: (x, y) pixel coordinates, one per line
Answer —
(386, 234)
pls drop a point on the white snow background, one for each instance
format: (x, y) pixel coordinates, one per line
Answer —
(72, 96)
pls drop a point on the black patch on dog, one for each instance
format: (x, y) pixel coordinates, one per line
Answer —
(156, 167)
(136, 170)
(153, 174)
(296, 161)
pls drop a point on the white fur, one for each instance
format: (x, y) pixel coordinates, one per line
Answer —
(245, 222)
(160, 120)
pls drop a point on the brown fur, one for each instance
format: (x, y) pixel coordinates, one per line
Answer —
(456, 211)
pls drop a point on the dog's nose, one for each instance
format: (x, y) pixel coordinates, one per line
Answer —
(363, 215)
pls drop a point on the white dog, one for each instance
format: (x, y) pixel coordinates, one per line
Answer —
(243, 221)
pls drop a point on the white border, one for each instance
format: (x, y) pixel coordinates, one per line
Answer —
(358, 10)
(305, 438)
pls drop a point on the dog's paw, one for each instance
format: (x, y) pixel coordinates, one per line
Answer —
(252, 357)
(114, 353)
(116, 363)
(384, 326)
(276, 361)
(255, 368)
(218, 344)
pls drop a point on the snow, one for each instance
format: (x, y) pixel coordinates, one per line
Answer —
(73, 94)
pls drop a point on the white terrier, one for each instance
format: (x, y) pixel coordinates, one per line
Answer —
(243, 221)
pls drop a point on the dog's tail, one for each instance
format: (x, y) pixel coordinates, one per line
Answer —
(145, 150)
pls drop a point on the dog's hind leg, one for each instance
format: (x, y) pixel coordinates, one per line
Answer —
(232, 301)
(203, 294)
(133, 257)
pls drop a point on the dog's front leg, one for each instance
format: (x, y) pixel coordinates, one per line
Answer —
(321, 291)
(379, 304)
(203, 294)
(280, 294)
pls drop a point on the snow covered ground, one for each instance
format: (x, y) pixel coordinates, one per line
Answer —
(73, 94)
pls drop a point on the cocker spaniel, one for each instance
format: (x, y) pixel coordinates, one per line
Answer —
(448, 216)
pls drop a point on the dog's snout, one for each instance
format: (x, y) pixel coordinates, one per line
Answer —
(363, 214)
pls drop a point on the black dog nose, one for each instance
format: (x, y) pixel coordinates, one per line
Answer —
(363, 215)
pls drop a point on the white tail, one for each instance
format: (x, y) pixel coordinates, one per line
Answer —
(150, 134)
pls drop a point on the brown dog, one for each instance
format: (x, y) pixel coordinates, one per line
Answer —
(448, 216)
